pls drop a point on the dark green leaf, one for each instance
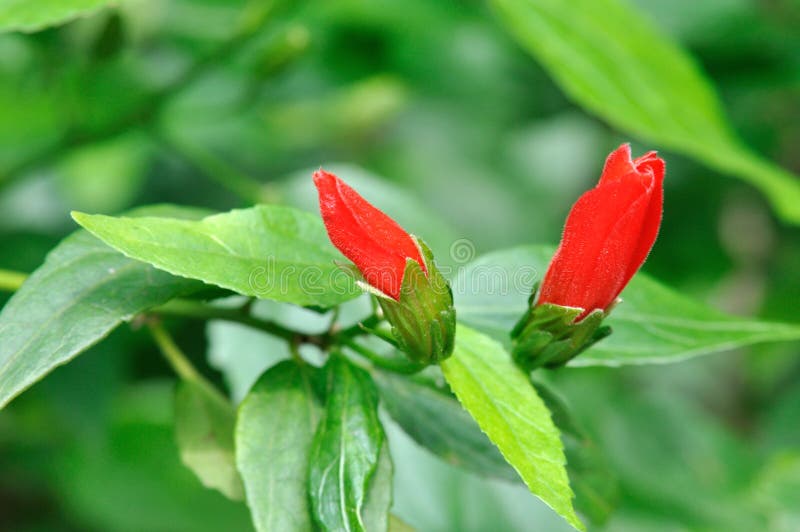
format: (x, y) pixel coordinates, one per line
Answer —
(594, 483)
(616, 63)
(82, 292)
(504, 403)
(274, 431)
(271, 252)
(653, 324)
(344, 455)
(32, 15)
(204, 422)
(431, 415)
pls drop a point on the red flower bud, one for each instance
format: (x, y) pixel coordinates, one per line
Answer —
(608, 234)
(373, 241)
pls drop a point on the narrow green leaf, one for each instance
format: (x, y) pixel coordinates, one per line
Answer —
(204, 423)
(345, 451)
(432, 416)
(274, 431)
(613, 61)
(82, 292)
(269, 251)
(379, 496)
(32, 15)
(504, 403)
(652, 325)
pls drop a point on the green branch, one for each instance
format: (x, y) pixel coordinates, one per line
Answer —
(172, 353)
(195, 309)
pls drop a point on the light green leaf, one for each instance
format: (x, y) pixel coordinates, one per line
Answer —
(268, 251)
(274, 431)
(82, 292)
(344, 455)
(504, 403)
(652, 325)
(32, 15)
(432, 416)
(613, 61)
(204, 422)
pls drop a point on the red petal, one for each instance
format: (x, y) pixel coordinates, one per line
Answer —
(618, 164)
(649, 163)
(608, 233)
(373, 241)
(589, 267)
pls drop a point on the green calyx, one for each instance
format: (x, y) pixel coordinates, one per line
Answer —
(423, 319)
(548, 336)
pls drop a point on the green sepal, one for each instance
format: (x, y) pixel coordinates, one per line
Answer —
(548, 336)
(423, 319)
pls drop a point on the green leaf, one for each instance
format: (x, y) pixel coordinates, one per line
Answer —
(652, 325)
(432, 416)
(504, 403)
(344, 455)
(204, 423)
(269, 251)
(614, 62)
(32, 15)
(82, 292)
(274, 431)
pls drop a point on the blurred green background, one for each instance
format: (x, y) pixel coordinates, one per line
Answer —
(446, 123)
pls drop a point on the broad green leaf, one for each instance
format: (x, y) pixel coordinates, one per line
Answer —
(432, 416)
(344, 455)
(268, 251)
(82, 292)
(652, 325)
(504, 403)
(594, 483)
(204, 422)
(274, 431)
(379, 496)
(32, 15)
(616, 63)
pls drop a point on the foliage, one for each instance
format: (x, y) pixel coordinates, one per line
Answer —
(296, 410)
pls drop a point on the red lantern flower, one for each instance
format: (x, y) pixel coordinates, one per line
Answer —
(608, 234)
(373, 241)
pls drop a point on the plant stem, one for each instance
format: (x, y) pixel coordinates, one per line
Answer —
(10, 281)
(193, 309)
(179, 362)
(396, 365)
